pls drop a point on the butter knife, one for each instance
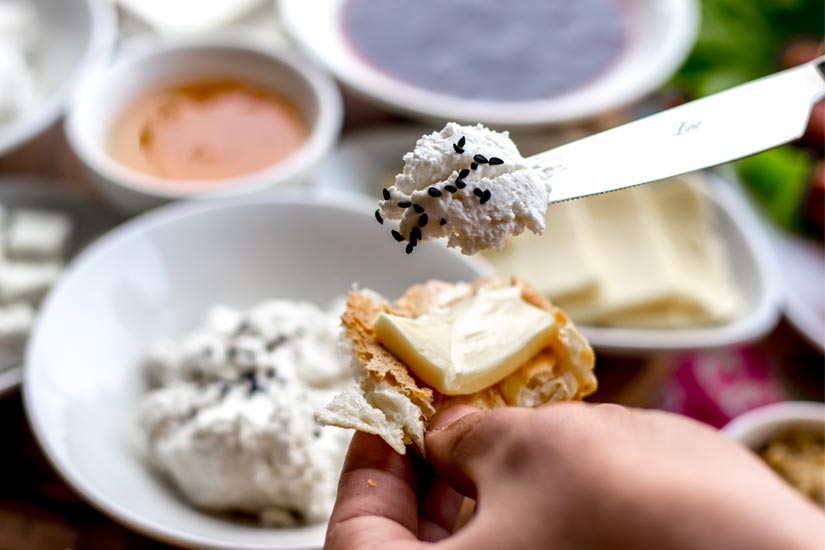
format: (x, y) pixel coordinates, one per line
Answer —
(720, 128)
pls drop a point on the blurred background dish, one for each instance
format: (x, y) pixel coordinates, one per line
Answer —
(206, 113)
(87, 220)
(727, 231)
(47, 51)
(790, 437)
(534, 64)
(802, 262)
(155, 277)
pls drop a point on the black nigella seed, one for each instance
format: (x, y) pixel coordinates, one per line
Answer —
(485, 196)
(404, 204)
(409, 248)
(433, 192)
(478, 192)
(494, 161)
(442, 222)
(224, 390)
(418, 208)
(461, 184)
(464, 173)
(276, 343)
(378, 217)
(451, 188)
(415, 233)
(386, 193)
(458, 149)
(474, 165)
(481, 159)
(422, 220)
(252, 380)
(397, 236)
(462, 141)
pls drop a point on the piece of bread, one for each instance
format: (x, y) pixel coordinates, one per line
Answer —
(390, 401)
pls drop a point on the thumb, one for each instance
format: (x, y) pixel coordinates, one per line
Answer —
(464, 444)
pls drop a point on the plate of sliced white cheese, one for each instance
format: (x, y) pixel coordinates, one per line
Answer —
(677, 265)
(41, 228)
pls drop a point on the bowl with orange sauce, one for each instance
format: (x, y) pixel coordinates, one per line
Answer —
(200, 119)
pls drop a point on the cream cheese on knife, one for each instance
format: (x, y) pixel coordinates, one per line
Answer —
(469, 184)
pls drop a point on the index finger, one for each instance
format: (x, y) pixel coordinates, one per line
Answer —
(376, 504)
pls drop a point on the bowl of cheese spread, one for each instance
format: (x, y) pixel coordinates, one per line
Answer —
(182, 405)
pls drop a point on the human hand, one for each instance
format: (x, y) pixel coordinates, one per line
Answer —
(569, 475)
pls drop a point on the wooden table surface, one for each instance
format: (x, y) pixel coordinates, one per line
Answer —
(38, 511)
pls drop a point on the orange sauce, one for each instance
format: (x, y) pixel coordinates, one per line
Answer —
(206, 130)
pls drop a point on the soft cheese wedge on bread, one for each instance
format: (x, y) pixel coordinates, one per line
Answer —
(493, 343)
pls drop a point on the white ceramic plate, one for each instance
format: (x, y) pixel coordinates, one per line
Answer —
(156, 276)
(802, 263)
(76, 39)
(663, 34)
(91, 220)
(366, 162)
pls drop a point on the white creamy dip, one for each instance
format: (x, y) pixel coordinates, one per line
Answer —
(469, 184)
(230, 421)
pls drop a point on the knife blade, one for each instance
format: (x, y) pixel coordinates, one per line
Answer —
(719, 128)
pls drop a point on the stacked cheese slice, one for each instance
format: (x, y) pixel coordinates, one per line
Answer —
(647, 257)
(32, 246)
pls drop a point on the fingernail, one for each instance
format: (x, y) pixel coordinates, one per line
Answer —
(446, 417)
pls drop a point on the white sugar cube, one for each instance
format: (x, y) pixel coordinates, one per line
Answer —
(4, 230)
(26, 281)
(15, 323)
(38, 234)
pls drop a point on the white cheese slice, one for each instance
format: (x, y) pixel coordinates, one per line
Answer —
(630, 258)
(15, 323)
(648, 257)
(26, 281)
(471, 345)
(558, 263)
(38, 234)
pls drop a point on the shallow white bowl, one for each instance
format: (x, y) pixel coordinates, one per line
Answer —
(757, 427)
(156, 276)
(366, 162)
(663, 34)
(170, 63)
(75, 42)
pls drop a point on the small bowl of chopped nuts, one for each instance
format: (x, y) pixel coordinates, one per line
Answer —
(790, 438)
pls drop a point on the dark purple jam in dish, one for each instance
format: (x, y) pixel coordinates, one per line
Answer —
(519, 50)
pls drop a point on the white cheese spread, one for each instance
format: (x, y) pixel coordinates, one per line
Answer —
(231, 419)
(469, 184)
